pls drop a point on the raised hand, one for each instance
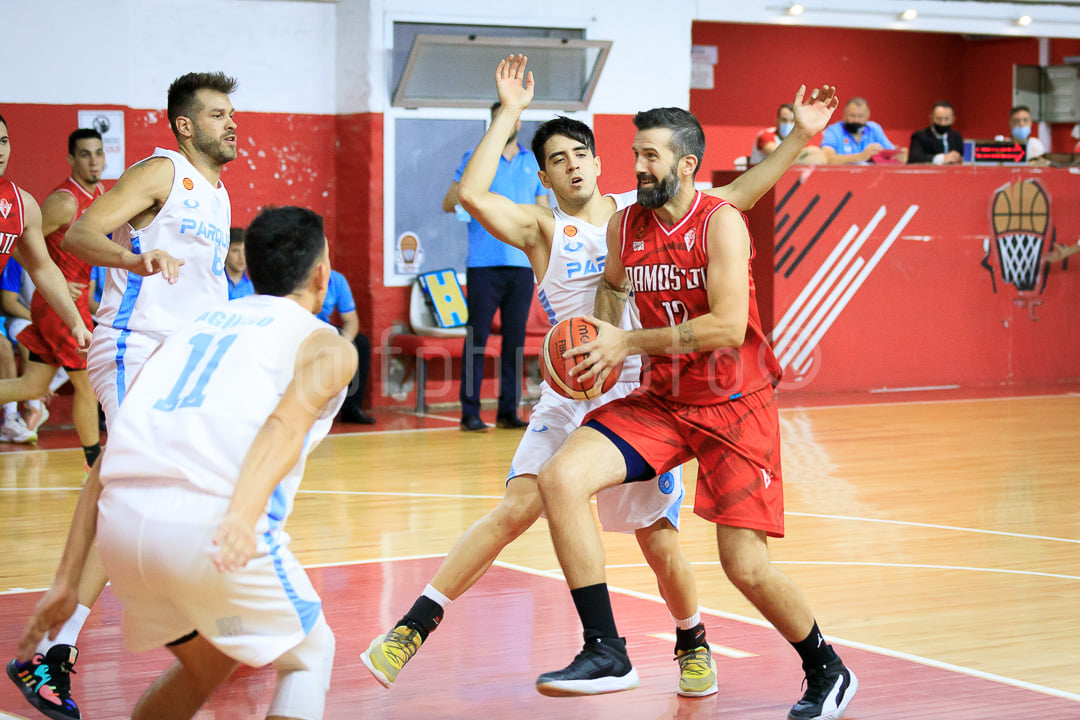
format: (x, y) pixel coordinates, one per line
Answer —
(508, 82)
(813, 115)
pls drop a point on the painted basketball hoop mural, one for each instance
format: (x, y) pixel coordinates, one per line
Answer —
(1020, 217)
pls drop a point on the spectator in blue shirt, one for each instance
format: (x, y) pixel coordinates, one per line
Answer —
(236, 266)
(856, 138)
(97, 286)
(497, 277)
(339, 299)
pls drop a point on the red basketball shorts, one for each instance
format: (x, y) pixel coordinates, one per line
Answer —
(51, 340)
(736, 444)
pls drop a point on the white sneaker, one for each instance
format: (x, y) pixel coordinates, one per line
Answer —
(36, 418)
(14, 430)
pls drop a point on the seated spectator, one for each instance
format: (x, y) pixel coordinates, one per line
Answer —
(97, 286)
(236, 266)
(938, 144)
(856, 139)
(339, 298)
(1020, 127)
(769, 138)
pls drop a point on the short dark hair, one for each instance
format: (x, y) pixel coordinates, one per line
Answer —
(1019, 108)
(2, 120)
(941, 104)
(687, 137)
(785, 106)
(181, 100)
(81, 134)
(236, 235)
(567, 127)
(282, 245)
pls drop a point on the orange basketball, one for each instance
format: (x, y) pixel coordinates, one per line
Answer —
(570, 333)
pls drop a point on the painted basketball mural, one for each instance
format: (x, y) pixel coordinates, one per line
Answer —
(1020, 216)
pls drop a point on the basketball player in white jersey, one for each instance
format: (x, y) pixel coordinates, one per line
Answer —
(167, 211)
(203, 463)
(566, 247)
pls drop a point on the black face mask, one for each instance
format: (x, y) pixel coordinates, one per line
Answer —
(941, 129)
(853, 128)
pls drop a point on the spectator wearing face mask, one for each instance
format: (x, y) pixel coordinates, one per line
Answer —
(769, 138)
(856, 139)
(1020, 123)
(938, 144)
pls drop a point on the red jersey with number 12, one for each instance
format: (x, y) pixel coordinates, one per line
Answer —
(11, 219)
(668, 269)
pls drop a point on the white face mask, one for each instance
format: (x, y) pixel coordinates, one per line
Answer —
(784, 129)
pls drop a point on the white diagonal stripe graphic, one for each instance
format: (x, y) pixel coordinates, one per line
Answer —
(859, 280)
(796, 307)
(797, 328)
(804, 337)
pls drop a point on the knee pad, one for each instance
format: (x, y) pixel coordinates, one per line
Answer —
(304, 675)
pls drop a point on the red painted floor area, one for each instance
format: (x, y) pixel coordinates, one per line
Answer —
(512, 626)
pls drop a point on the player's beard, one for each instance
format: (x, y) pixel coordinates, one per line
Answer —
(214, 148)
(660, 192)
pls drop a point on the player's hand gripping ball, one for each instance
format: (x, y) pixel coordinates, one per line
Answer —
(571, 333)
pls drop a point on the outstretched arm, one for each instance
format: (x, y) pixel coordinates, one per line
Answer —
(58, 603)
(142, 188)
(811, 117)
(512, 223)
(32, 254)
(614, 287)
(325, 364)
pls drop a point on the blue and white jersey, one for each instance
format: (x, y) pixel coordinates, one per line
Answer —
(576, 264)
(192, 225)
(199, 401)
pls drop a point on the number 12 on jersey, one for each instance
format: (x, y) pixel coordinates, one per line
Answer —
(200, 345)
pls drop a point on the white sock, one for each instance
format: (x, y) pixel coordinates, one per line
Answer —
(69, 633)
(33, 404)
(432, 594)
(689, 623)
(11, 407)
(59, 379)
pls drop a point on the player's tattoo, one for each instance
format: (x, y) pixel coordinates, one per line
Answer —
(688, 342)
(610, 299)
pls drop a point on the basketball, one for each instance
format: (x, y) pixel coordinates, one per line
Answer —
(570, 333)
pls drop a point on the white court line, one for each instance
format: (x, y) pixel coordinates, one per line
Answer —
(716, 649)
(913, 389)
(838, 641)
(852, 563)
(950, 401)
(932, 525)
(729, 616)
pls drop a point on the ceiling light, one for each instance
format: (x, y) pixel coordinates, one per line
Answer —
(909, 14)
(1023, 20)
(795, 9)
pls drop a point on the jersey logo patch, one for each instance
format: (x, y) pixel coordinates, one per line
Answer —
(570, 231)
(188, 185)
(689, 238)
(5, 207)
(639, 246)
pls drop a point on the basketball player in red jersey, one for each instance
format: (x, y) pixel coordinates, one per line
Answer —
(21, 238)
(50, 347)
(707, 393)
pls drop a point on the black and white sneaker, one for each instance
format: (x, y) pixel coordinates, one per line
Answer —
(602, 666)
(829, 689)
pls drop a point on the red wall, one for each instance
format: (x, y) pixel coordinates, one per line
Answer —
(901, 74)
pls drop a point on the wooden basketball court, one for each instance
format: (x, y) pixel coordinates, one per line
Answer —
(937, 538)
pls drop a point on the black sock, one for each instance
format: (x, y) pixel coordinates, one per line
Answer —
(91, 452)
(594, 608)
(424, 616)
(689, 639)
(813, 650)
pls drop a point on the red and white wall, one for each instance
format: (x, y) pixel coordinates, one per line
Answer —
(313, 89)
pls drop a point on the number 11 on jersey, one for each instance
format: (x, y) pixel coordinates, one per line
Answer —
(200, 344)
